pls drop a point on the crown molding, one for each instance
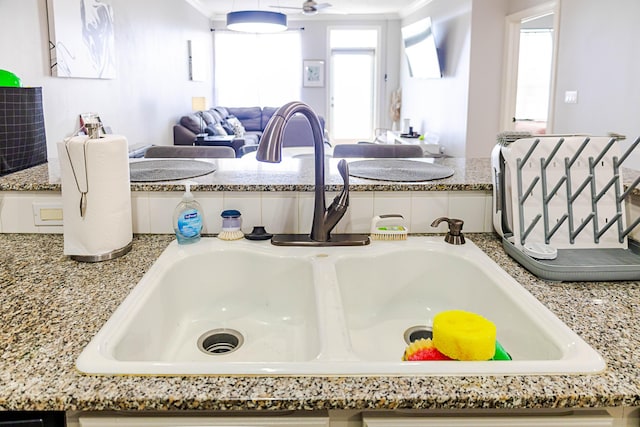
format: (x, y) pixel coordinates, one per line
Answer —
(413, 7)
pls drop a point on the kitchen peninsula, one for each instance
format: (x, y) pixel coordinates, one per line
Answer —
(52, 306)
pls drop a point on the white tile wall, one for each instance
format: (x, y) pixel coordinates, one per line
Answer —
(426, 206)
(357, 219)
(279, 212)
(469, 206)
(16, 211)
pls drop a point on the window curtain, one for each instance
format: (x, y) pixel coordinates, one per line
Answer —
(257, 69)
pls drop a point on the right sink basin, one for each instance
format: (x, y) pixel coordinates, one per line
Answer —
(391, 294)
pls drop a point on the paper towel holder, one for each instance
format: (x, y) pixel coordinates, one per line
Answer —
(116, 253)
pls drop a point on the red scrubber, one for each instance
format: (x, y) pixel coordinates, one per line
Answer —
(423, 349)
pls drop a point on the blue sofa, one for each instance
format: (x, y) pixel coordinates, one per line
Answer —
(253, 119)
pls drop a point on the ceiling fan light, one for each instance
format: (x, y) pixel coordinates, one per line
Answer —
(256, 21)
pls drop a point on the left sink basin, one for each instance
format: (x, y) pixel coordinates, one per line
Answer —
(210, 304)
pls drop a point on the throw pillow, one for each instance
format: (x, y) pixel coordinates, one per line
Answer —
(227, 127)
(236, 124)
(215, 129)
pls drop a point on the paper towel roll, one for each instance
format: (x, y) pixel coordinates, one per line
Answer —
(99, 168)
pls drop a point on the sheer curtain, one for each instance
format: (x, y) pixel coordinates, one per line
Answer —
(257, 69)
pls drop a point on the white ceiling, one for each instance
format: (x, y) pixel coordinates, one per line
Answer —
(219, 8)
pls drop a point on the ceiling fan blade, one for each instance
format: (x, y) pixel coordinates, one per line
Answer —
(323, 6)
(285, 7)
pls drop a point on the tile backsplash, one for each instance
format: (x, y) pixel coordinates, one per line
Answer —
(279, 212)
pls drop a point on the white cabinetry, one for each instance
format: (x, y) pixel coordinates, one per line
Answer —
(178, 421)
(523, 421)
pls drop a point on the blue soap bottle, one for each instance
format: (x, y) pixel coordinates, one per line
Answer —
(187, 218)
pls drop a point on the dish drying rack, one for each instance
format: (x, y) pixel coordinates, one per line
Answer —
(566, 193)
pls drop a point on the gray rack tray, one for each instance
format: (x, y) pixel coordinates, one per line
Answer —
(594, 265)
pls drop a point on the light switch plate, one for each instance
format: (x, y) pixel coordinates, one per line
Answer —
(571, 97)
(47, 213)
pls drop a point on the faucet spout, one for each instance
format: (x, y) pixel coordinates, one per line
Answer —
(270, 150)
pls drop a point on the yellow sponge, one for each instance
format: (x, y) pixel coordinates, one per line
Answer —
(462, 335)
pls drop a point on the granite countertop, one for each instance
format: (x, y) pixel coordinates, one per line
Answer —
(52, 306)
(292, 174)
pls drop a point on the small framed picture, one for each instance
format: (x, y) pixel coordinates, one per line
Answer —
(313, 73)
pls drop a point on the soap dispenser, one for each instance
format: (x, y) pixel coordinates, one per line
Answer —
(187, 218)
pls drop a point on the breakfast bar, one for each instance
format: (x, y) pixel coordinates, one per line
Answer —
(52, 306)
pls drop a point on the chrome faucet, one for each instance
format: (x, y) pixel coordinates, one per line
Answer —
(324, 220)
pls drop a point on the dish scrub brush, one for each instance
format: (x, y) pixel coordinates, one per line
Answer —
(463, 335)
(388, 227)
(231, 222)
(423, 349)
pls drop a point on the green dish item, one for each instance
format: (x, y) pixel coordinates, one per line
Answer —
(9, 79)
(501, 353)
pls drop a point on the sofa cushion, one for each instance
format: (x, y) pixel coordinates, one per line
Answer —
(193, 122)
(267, 112)
(222, 111)
(216, 114)
(298, 133)
(252, 138)
(251, 117)
(208, 117)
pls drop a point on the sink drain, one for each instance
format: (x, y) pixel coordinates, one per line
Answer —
(220, 341)
(415, 333)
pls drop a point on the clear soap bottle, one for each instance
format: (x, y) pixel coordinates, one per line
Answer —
(187, 218)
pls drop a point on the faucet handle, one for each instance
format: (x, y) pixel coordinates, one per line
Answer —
(454, 235)
(343, 168)
(342, 199)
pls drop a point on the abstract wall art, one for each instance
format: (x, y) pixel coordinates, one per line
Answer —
(81, 39)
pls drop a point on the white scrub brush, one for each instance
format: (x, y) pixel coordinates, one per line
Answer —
(388, 227)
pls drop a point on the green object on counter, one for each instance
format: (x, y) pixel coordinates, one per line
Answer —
(501, 353)
(7, 78)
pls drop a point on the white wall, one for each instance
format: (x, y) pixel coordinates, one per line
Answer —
(599, 57)
(485, 78)
(152, 89)
(440, 105)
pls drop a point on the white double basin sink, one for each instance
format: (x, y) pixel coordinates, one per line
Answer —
(249, 308)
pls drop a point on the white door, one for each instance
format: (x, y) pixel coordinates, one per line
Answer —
(352, 95)
(527, 103)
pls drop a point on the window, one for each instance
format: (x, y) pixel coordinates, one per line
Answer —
(251, 69)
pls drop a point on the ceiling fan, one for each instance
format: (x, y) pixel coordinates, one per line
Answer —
(309, 7)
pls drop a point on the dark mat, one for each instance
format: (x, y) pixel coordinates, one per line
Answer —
(168, 169)
(399, 170)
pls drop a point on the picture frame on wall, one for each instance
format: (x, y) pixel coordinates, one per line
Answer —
(81, 39)
(313, 73)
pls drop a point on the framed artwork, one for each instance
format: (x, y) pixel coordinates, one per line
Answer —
(313, 73)
(197, 66)
(81, 39)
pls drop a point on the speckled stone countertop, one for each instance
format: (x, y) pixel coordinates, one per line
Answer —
(52, 306)
(290, 175)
